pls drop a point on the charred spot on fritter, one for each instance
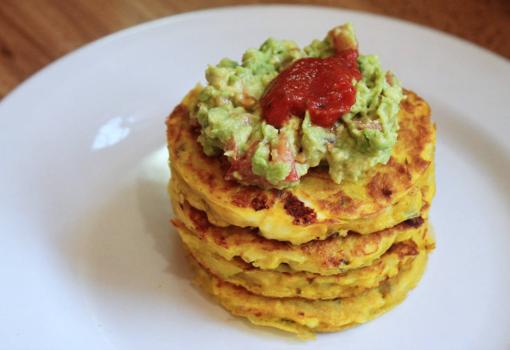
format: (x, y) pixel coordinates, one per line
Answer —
(421, 163)
(252, 197)
(344, 200)
(310, 279)
(262, 201)
(414, 222)
(403, 249)
(335, 262)
(199, 219)
(407, 105)
(298, 210)
(381, 187)
(244, 264)
(387, 192)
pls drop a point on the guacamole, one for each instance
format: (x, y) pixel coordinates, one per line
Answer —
(232, 123)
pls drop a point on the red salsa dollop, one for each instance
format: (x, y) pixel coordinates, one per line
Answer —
(323, 86)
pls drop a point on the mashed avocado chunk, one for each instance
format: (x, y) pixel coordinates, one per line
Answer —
(231, 124)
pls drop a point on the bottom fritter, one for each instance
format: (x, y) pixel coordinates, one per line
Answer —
(306, 317)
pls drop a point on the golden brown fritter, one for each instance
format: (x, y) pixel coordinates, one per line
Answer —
(317, 206)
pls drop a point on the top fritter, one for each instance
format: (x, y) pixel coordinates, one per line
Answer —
(387, 195)
(284, 110)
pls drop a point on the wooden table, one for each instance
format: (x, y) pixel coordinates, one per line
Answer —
(33, 33)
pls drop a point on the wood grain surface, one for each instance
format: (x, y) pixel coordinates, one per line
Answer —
(33, 33)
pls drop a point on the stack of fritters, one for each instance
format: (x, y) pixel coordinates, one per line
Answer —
(317, 257)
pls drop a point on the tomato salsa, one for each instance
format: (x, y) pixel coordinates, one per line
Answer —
(322, 86)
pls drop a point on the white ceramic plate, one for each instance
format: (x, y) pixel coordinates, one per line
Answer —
(87, 256)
